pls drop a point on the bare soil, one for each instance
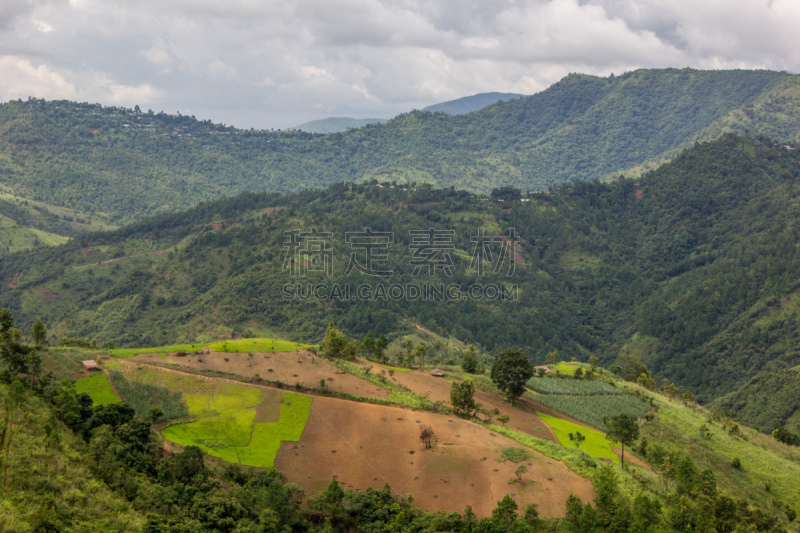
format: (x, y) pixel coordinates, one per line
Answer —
(522, 414)
(289, 367)
(365, 445)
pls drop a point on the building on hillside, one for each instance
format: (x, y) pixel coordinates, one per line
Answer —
(90, 365)
(437, 373)
(543, 367)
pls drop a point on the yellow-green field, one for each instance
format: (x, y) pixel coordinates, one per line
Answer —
(595, 444)
(237, 345)
(233, 422)
(98, 388)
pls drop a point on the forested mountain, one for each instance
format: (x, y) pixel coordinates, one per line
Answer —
(693, 267)
(468, 104)
(117, 165)
(336, 124)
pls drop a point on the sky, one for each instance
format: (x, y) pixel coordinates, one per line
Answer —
(276, 64)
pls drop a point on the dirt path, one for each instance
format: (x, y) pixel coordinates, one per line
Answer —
(364, 445)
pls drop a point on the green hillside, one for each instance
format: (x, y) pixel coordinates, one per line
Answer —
(120, 165)
(693, 267)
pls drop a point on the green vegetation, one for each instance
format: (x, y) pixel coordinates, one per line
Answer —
(673, 254)
(143, 397)
(117, 164)
(595, 444)
(548, 385)
(98, 388)
(592, 409)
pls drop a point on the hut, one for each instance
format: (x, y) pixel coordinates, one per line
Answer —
(90, 365)
(542, 367)
(437, 373)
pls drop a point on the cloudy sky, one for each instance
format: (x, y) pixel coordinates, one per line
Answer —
(276, 64)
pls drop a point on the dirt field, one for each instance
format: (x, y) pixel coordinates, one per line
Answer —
(288, 367)
(522, 414)
(364, 445)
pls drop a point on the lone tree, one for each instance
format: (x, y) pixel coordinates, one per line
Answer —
(380, 348)
(504, 419)
(369, 344)
(421, 354)
(470, 362)
(519, 471)
(426, 435)
(39, 333)
(510, 371)
(577, 438)
(622, 428)
(462, 396)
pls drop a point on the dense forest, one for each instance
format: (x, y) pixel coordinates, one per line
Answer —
(693, 267)
(119, 165)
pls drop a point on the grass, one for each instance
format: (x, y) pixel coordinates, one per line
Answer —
(398, 394)
(98, 388)
(236, 437)
(145, 396)
(591, 409)
(578, 387)
(237, 345)
(595, 444)
(232, 422)
(567, 368)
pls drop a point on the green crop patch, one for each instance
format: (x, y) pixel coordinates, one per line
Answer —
(577, 387)
(98, 388)
(595, 444)
(592, 409)
(238, 345)
(226, 417)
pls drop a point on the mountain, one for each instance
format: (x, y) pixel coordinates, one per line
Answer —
(121, 165)
(693, 268)
(336, 124)
(468, 104)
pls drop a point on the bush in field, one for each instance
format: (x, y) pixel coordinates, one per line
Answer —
(144, 397)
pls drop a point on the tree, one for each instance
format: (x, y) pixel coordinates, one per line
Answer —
(578, 373)
(521, 469)
(506, 510)
(577, 438)
(426, 435)
(409, 357)
(39, 333)
(552, 358)
(622, 428)
(421, 353)
(594, 361)
(380, 348)
(469, 363)
(510, 371)
(369, 344)
(504, 419)
(334, 344)
(34, 367)
(462, 396)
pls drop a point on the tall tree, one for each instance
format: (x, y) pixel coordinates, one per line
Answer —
(462, 396)
(421, 353)
(369, 344)
(39, 333)
(380, 348)
(622, 428)
(510, 371)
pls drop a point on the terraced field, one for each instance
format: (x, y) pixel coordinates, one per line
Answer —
(234, 422)
(98, 388)
(232, 346)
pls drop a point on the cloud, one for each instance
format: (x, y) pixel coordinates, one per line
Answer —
(277, 64)
(19, 77)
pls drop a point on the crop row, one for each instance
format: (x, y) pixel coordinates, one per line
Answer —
(592, 409)
(576, 387)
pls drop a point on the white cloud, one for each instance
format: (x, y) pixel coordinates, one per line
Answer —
(19, 77)
(284, 61)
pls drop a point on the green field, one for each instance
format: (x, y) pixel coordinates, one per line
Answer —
(578, 387)
(98, 388)
(592, 409)
(595, 444)
(238, 345)
(567, 368)
(233, 422)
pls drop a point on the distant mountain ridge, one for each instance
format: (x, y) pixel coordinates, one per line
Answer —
(468, 104)
(117, 166)
(336, 124)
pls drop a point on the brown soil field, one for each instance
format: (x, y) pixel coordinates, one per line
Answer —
(288, 367)
(364, 445)
(522, 414)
